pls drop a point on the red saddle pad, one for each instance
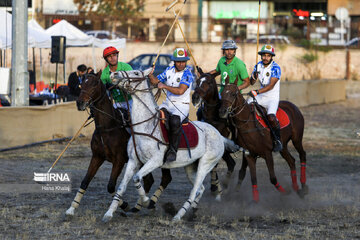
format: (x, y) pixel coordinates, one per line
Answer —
(281, 116)
(189, 130)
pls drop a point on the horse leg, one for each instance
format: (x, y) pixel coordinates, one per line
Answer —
(97, 160)
(270, 165)
(129, 172)
(216, 188)
(204, 167)
(148, 167)
(230, 162)
(299, 147)
(291, 162)
(191, 174)
(165, 180)
(242, 171)
(148, 182)
(251, 161)
(115, 172)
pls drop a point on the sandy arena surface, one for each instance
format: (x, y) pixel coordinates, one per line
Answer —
(331, 210)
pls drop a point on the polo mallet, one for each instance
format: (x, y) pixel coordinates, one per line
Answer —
(73, 138)
(182, 33)
(172, 5)
(177, 16)
(257, 41)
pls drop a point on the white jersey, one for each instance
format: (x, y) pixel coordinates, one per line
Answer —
(177, 104)
(269, 99)
(273, 70)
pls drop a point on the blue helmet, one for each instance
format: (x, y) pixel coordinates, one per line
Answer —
(229, 44)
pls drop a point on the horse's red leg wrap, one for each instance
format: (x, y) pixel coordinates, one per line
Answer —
(255, 193)
(280, 188)
(303, 173)
(294, 180)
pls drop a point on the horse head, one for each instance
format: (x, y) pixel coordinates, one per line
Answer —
(231, 100)
(206, 89)
(129, 80)
(92, 89)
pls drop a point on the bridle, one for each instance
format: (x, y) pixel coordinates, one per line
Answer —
(234, 111)
(201, 91)
(90, 92)
(92, 102)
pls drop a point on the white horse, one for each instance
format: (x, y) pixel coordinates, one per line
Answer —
(150, 152)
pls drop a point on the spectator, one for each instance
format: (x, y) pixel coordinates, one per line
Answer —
(75, 79)
(90, 70)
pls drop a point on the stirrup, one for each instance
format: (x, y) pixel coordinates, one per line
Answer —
(277, 146)
(170, 156)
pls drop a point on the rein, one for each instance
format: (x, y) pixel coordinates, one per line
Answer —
(98, 100)
(133, 91)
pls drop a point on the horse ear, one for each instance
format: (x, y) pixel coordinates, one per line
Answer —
(214, 75)
(199, 70)
(236, 81)
(98, 75)
(227, 80)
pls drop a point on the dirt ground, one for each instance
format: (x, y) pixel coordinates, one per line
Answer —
(331, 210)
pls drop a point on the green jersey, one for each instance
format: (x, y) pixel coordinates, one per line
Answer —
(236, 68)
(105, 78)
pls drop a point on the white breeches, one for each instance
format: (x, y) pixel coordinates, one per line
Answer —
(181, 109)
(271, 104)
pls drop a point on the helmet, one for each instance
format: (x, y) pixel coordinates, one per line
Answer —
(109, 50)
(229, 44)
(267, 49)
(180, 55)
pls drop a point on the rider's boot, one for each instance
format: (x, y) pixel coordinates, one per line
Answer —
(174, 138)
(275, 125)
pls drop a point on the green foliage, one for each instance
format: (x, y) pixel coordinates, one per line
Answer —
(116, 10)
(293, 33)
(309, 57)
(313, 45)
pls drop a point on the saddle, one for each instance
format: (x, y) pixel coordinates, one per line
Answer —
(189, 136)
(281, 115)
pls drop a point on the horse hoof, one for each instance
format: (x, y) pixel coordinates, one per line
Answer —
(302, 192)
(134, 210)
(213, 188)
(218, 198)
(176, 218)
(70, 212)
(151, 205)
(107, 217)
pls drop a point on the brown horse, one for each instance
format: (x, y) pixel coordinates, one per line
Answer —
(109, 141)
(258, 141)
(207, 96)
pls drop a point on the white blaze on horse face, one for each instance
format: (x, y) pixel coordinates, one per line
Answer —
(202, 80)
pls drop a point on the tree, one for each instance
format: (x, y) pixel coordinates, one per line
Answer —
(116, 11)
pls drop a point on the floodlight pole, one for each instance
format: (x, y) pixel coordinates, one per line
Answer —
(19, 73)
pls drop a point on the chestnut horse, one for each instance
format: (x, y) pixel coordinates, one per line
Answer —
(258, 140)
(109, 142)
(206, 96)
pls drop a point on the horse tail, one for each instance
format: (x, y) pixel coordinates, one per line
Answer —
(230, 145)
